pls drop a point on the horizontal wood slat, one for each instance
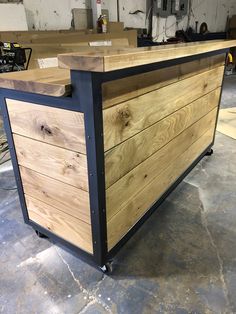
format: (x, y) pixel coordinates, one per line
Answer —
(55, 126)
(111, 60)
(129, 118)
(70, 200)
(124, 157)
(67, 227)
(121, 90)
(51, 82)
(123, 190)
(58, 163)
(131, 35)
(123, 221)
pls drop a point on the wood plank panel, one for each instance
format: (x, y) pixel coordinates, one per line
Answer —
(52, 81)
(123, 190)
(124, 157)
(41, 51)
(129, 118)
(131, 35)
(121, 90)
(55, 126)
(27, 36)
(123, 221)
(67, 227)
(70, 200)
(131, 57)
(58, 163)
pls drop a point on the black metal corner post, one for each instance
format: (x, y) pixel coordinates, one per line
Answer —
(11, 145)
(87, 89)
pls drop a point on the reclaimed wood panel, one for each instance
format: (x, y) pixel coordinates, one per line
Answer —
(123, 158)
(133, 210)
(131, 57)
(67, 227)
(129, 118)
(54, 126)
(66, 198)
(26, 36)
(131, 35)
(121, 90)
(124, 189)
(52, 81)
(55, 162)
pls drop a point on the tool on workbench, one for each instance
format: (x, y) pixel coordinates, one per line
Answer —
(13, 57)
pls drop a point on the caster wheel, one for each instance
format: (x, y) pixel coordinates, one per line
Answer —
(40, 235)
(210, 152)
(107, 268)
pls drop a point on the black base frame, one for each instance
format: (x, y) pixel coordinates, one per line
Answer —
(87, 98)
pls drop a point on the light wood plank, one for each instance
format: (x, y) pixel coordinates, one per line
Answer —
(123, 190)
(27, 36)
(70, 200)
(121, 90)
(124, 157)
(123, 221)
(58, 163)
(67, 227)
(49, 50)
(111, 60)
(52, 81)
(227, 122)
(55, 126)
(129, 118)
(131, 35)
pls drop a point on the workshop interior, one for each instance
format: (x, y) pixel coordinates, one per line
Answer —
(117, 156)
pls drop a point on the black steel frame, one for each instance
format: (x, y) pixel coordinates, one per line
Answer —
(87, 98)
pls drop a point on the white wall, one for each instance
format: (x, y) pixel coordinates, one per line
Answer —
(133, 20)
(12, 17)
(57, 14)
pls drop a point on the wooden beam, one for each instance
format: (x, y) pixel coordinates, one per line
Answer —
(52, 81)
(110, 60)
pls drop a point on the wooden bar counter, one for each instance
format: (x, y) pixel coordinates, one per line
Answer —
(98, 145)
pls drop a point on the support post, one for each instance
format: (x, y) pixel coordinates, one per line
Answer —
(89, 85)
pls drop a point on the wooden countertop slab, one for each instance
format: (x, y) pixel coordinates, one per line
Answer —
(51, 81)
(109, 60)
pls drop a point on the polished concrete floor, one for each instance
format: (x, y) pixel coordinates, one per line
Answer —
(183, 259)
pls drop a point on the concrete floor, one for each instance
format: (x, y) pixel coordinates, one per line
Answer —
(183, 259)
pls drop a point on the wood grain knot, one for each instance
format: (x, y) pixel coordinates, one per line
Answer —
(124, 117)
(70, 167)
(67, 168)
(45, 193)
(46, 130)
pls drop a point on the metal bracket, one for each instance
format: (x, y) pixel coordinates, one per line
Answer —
(162, 8)
(179, 8)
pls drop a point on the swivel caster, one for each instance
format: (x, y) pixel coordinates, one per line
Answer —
(210, 152)
(107, 268)
(40, 235)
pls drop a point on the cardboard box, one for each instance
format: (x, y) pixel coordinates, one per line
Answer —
(115, 27)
